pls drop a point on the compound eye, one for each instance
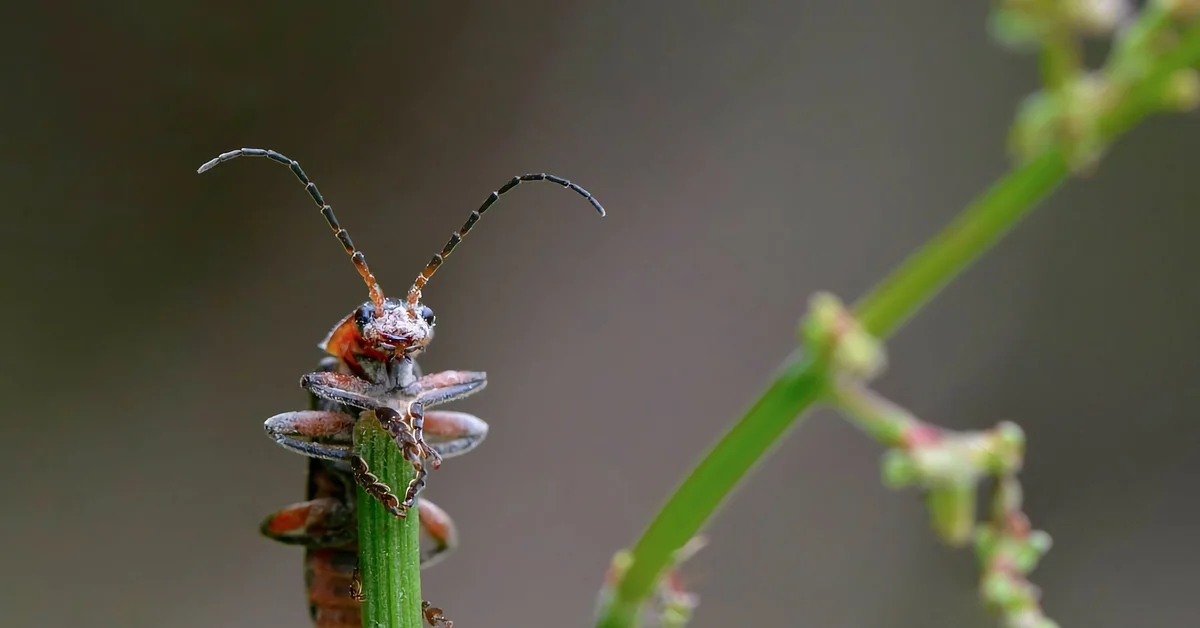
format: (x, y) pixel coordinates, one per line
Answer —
(427, 315)
(364, 315)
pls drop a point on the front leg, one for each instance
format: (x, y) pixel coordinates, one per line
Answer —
(326, 434)
(435, 616)
(438, 388)
(343, 388)
(452, 433)
(457, 432)
(329, 434)
(406, 430)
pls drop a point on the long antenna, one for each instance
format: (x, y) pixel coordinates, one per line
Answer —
(414, 293)
(360, 260)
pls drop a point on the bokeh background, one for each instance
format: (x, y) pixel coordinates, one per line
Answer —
(749, 154)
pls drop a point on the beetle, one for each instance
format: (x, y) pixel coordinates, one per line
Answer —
(371, 367)
(376, 346)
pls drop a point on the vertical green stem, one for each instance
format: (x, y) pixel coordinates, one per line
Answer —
(389, 550)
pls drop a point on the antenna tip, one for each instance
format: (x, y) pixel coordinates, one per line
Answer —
(598, 206)
(208, 165)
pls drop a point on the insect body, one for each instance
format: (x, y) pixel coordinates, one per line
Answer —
(371, 367)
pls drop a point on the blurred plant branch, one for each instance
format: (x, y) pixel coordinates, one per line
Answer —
(947, 466)
(1065, 128)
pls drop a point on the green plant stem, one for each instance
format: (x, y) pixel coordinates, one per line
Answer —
(389, 551)
(800, 383)
(1060, 60)
(981, 224)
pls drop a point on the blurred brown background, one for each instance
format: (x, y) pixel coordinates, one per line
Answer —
(749, 154)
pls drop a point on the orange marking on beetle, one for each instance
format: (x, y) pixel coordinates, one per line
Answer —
(346, 343)
(289, 520)
(338, 618)
(331, 592)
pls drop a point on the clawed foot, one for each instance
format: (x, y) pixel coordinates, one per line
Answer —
(435, 616)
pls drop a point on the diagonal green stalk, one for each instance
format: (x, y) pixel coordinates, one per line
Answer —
(800, 382)
(389, 551)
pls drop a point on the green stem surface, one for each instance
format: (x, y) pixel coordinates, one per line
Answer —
(801, 381)
(389, 551)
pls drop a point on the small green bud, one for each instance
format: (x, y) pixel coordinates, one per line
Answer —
(1025, 557)
(999, 590)
(1182, 91)
(824, 310)
(952, 511)
(1089, 97)
(1007, 497)
(899, 469)
(1016, 29)
(1028, 618)
(1040, 541)
(830, 324)
(1008, 448)
(1011, 435)
(622, 561)
(985, 544)
(860, 354)
(1096, 17)
(672, 617)
(1035, 127)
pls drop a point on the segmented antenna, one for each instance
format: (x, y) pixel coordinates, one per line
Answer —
(360, 260)
(414, 293)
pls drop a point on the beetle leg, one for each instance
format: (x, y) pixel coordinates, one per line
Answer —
(414, 420)
(406, 431)
(356, 586)
(342, 388)
(417, 484)
(435, 616)
(317, 433)
(438, 388)
(329, 435)
(451, 433)
(329, 523)
(377, 489)
(460, 432)
(440, 527)
(322, 522)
